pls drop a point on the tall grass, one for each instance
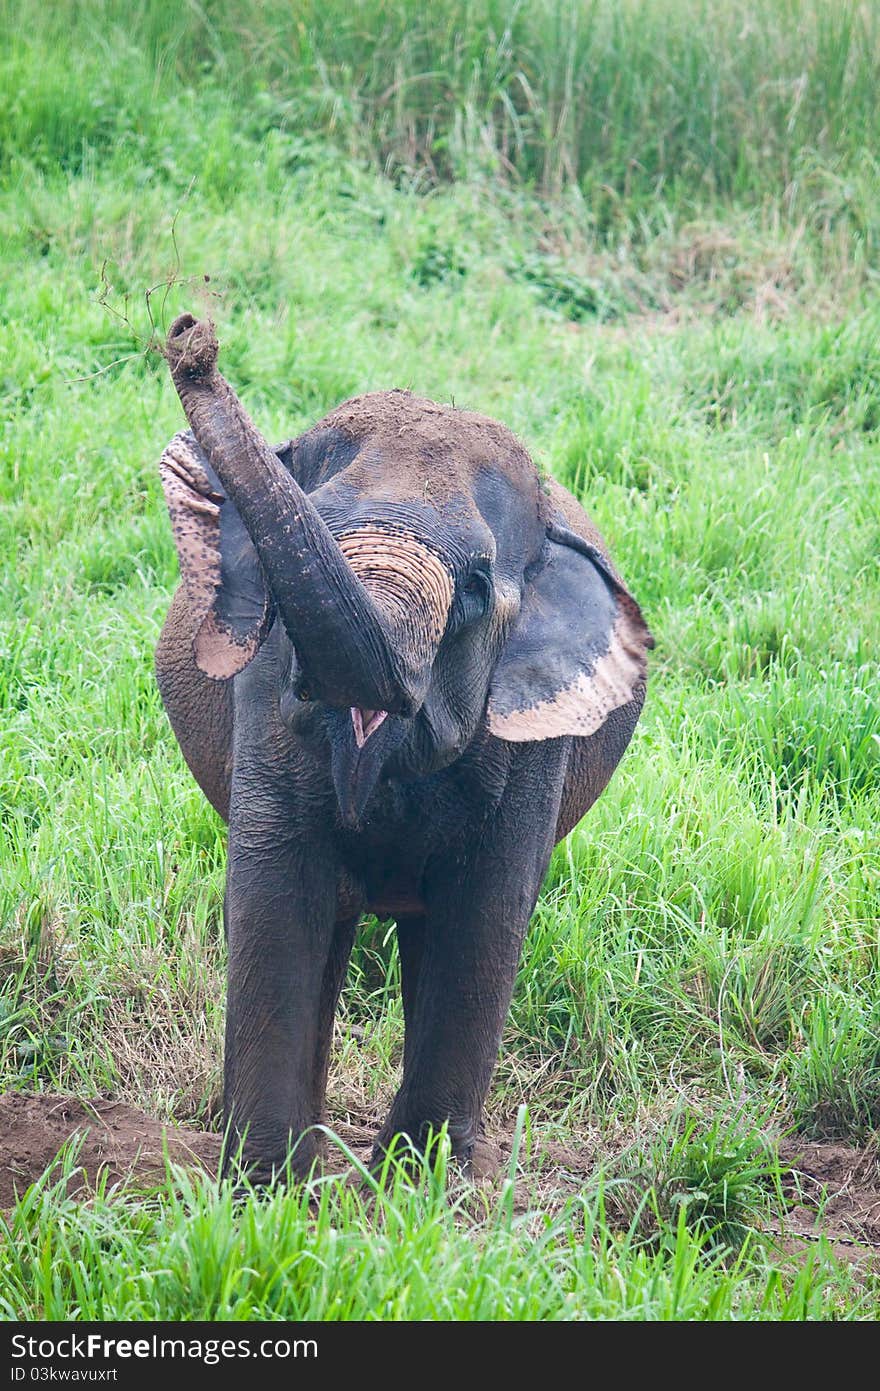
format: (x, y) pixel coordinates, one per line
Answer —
(695, 98)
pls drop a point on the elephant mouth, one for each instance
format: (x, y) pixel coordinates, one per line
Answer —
(361, 742)
(365, 723)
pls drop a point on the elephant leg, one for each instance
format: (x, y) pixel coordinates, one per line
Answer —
(411, 934)
(285, 964)
(331, 986)
(479, 907)
(454, 1030)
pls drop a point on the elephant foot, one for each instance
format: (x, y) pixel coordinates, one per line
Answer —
(478, 1159)
(485, 1159)
(256, 1172)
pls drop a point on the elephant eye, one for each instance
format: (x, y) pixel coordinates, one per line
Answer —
(473, 595)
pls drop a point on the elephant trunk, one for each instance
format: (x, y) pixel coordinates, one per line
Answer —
(412, 590)
(341, 634)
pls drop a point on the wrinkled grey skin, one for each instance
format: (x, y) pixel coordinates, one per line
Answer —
(402, 667)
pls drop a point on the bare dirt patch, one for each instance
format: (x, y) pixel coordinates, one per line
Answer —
(117, 1141)
(832, 1190)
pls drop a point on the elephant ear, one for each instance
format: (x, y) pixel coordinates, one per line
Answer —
(219, 566)
(576, 651)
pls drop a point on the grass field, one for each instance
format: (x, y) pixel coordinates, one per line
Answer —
(646, 238)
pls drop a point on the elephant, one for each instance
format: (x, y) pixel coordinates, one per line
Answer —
(401, 665)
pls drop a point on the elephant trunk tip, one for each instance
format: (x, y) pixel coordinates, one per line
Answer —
(191, 347)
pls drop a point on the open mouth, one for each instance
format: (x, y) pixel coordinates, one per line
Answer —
(365, 723)
(356, 758)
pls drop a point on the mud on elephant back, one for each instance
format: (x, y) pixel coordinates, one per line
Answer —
(402, 666)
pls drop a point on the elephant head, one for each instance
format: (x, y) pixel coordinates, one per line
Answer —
(427, 584)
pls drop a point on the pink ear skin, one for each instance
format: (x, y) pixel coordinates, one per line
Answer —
(584, 704)
(195, 506)
(576, 652)
(194, 509)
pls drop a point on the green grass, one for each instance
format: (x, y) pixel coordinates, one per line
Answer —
(709, 97)
(330, 1252)
(690, 342)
